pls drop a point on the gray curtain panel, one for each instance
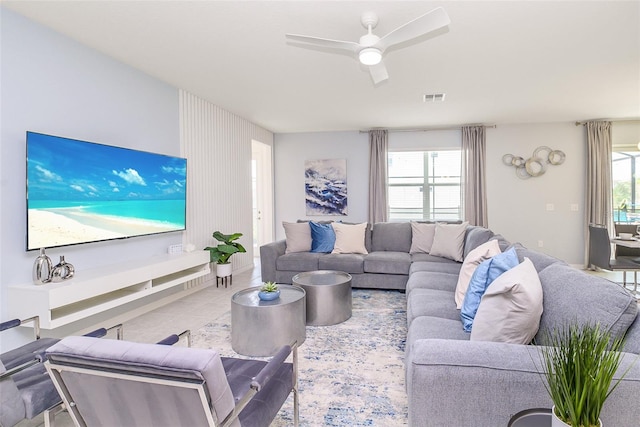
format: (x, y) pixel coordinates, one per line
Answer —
(378, 200)
(599, 197)
(474, 175)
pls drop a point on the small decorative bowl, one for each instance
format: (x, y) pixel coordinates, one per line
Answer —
(269, 296)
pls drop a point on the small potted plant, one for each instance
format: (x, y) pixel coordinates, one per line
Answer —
(220, 254)
(269, 291)
(579, 364)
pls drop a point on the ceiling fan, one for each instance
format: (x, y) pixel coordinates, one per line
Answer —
(370, 48)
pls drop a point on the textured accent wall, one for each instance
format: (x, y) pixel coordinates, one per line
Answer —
(217, 145)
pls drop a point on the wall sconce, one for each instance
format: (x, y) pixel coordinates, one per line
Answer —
(536, 165)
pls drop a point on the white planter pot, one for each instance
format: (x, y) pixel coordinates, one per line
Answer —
(223, 270)
(557, 422)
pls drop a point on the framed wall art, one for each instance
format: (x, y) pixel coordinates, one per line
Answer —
(325, 184)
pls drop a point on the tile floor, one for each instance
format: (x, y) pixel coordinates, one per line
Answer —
(193, 312)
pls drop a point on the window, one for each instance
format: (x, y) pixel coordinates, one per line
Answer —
(626, 192)
(424, 185)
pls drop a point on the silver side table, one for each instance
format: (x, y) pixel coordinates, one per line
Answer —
(538, 417)
(328, 296)
(260, 328)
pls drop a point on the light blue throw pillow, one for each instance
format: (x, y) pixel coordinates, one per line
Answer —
(485, 273)
(323, 238)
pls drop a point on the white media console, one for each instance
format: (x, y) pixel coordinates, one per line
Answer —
(96, 290)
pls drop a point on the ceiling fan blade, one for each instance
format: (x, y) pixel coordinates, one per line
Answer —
(378, 72)
(424, 24)
(317, 41)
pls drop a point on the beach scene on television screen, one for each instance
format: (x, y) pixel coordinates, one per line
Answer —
(80, 192)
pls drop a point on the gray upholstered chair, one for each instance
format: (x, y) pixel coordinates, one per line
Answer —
(106, 382)
(25, 387)
(600, 255)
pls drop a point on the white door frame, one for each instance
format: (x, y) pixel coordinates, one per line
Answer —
(262, 154)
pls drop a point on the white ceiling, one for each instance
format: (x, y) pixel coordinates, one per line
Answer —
(499, 62)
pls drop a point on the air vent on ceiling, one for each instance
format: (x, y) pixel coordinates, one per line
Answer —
(434, 97)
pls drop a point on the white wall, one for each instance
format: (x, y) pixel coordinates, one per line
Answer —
(217, 145)
(53, 85)
(290, 152)
(517, 208)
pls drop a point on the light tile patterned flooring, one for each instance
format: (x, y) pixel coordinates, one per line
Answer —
(196, 310)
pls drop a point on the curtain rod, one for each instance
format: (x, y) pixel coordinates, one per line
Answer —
(430, 128)
(631, 119)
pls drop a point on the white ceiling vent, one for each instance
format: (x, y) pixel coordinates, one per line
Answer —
(434, 97)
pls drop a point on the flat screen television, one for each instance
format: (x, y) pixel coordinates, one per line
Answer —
(81, 192)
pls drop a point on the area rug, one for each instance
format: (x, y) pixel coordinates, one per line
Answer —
(350, 374)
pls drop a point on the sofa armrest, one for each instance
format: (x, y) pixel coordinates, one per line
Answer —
(269, 255)
(451, 382)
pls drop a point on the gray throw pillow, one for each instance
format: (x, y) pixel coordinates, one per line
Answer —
(421, 237)
(298, 236)
(448, 241)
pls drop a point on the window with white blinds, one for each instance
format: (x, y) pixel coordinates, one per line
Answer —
(424, 185)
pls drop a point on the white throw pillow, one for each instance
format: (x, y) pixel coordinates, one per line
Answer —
(511, 308)
(349, 238)
(421, 237)
(471, 262)
(298, 235)
(448, 241)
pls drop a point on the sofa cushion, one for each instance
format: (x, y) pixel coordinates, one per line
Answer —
(592, 300)
(475, 237)
(471, 262)
(349, 238)
(322, 237)
(298, 261)
(391, 236)
(540, 260)
(511, 307)
(434, 264)
(486, 273)
(421, 237)
(448, 241)
(298, 236)
(430, 327)
(431, 280)
(349, 263)
(387, 262)
(431, 302)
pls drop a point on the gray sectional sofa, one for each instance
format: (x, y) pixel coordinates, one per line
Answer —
(450, 379)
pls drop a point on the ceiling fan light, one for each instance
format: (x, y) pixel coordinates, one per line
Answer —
(370, 56)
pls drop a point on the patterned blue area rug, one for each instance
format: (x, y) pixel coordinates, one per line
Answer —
(350, 374)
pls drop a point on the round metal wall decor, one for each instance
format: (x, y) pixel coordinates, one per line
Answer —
(536, 165)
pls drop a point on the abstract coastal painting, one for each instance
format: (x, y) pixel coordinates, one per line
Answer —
(325, 187)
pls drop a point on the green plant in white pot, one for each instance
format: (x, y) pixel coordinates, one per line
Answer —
(579, 363)
(220, 254)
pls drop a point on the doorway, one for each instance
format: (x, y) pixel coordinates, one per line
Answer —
(262, 184)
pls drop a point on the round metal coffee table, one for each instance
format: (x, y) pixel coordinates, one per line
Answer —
(260, 328)
(328, 296)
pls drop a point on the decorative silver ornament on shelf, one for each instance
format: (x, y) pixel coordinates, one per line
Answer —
(42, 268)
(45, 272)
(62, 271)
(536, 165)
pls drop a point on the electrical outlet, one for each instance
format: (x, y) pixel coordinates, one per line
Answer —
(540, 243)
(551, 207)
(175, 249)
(574, 207)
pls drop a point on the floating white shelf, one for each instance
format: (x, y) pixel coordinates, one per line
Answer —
(96, 290)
